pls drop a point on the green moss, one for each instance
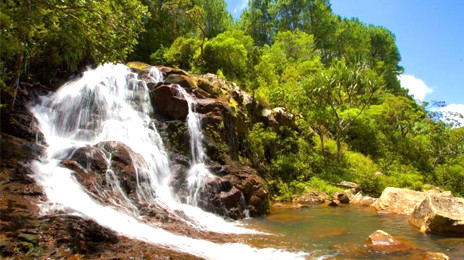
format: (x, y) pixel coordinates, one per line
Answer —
(137, 65)
(234, 106)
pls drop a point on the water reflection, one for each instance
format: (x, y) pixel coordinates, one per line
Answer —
(341, 232)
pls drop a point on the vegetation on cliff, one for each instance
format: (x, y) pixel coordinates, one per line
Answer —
(337, 77)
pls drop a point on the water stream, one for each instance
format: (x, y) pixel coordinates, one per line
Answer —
(110, 103)
(198, 172)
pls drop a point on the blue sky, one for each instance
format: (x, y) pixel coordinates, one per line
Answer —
(429, 35)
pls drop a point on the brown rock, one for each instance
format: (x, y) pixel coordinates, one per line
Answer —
(333, 203)
(439, 214)
(220, 197)
(312, 198)
(382, 241)
(169, 102)
(185, 81)
(252, 186)
(398, 201)
(342, 197)
(90, 165)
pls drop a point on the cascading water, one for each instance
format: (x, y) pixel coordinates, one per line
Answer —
(110, 104)
(198, 172)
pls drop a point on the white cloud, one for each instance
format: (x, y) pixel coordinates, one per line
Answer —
(455, 112)
(242, 6)
(416, 87)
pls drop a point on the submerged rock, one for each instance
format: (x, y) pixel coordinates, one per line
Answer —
(439, 214)
(382, 241)
(429, 256)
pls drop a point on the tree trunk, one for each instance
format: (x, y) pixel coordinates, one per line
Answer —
(16, 75)
(321, 136)
(339, 142)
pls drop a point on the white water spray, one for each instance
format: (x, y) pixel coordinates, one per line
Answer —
(110, 103)
(198, 173)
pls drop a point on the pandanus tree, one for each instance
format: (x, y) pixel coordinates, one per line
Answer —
(340, 94)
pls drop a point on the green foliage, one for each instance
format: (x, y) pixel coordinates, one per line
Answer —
(217, 19)
(340, 93)
(182, 52)
(284, 63)
(49, 34)
(338, 77)
(321, 185)
(451, 177)
(362, 170)
(229, 53)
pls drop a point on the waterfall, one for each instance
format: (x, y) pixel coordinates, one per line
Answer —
(198, 172)
(109, 107)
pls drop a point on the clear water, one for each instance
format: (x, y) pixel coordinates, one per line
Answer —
(342, 232)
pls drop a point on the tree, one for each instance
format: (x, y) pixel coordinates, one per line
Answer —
(257, 21)
(182, 52)
(217, 18)
(342, 93)
(48, 34)
(292, 56)
(228, 52)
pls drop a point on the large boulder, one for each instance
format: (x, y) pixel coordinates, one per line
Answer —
(185, 81)
(253, 188)
(398, 201)
(90, 166)
(219, 196)
(439, 214)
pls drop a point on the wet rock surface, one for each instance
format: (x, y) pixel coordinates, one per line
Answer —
(93, 165)
(168, 101)
(382, 241)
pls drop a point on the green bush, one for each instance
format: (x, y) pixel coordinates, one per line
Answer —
(450, 177)
(361, 170)
(182, 52)
(321, 185)
(227, 52)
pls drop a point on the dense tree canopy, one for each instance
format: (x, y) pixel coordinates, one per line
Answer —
(50, 34)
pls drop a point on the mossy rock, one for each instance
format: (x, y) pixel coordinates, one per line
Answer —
(214, 88)
(137, 65)
(184, 81)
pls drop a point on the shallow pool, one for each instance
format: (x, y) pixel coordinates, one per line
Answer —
(340, 233)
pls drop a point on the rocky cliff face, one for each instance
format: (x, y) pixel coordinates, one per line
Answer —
(227, 114)
(225, 119)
